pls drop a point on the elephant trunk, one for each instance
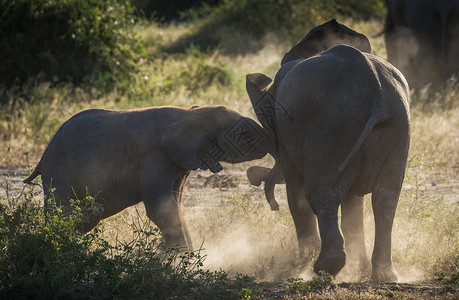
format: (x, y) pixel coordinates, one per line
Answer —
(269, 193)
(274, 176)
(257, 174)
(271, 177)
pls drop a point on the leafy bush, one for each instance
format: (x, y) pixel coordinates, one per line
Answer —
(66, 41)
(54, 260)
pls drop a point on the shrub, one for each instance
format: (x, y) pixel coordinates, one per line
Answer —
(54, 260)
(66, 41)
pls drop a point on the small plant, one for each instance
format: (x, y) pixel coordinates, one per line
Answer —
(246, 294)
(317, 283)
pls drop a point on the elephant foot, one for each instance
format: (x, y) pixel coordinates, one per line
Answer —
(384, 274)
(364, 267)
(330, 263)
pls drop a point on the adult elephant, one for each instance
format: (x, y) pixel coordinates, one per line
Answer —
(422, 39)
(125, 157)
(342, 128)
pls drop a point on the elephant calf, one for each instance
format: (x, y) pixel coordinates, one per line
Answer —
(125, 157)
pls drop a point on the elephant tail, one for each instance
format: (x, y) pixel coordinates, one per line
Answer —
(374, 119)
(34, 174)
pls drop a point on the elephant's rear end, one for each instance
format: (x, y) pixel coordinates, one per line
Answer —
(390, 139)
(324, 104)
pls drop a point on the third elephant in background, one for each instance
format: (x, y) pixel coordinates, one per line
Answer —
(422, 40)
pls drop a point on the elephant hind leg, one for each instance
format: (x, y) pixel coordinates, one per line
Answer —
(325, 201)
(332, 257)
(385, 198)
(303, 217)
(353, 231)
(384, 205)
(305, 222)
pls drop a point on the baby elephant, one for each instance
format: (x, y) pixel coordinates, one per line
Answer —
(124, 157)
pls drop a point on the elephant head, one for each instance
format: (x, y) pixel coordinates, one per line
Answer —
(324, 37)
(210, 135)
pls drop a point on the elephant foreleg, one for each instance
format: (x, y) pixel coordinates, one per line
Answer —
(161, 195)
(165, 213)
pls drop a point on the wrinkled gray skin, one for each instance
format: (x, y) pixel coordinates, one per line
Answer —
(125, 157)
(342, 128)
(422, 39)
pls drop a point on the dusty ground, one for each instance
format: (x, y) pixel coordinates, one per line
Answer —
(442, 181)
(368, 290)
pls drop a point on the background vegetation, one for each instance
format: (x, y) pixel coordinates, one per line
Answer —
(60, 57)
(70, 41)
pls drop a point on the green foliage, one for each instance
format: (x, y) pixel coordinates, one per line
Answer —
(66, 41)
(239, 26)
(246, 294)
(190, 74)
(54, 260)
(199, 75)
(359, 10)
(166, 10)
(306, 287)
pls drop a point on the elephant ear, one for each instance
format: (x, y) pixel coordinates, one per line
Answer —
(324, 37)
(185, 142)
(262, 101)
